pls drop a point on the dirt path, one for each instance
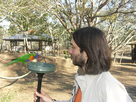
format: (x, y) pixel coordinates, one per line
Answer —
(58, 84)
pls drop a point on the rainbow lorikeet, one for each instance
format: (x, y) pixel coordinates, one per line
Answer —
(25, 58)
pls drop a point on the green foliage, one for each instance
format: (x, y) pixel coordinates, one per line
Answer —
(66, 54)
(12, 30)
(26, 18)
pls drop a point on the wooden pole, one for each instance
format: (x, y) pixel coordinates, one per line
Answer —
(40, 45)
(11, 45)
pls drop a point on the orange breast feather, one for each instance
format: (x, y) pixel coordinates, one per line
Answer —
(31, 58)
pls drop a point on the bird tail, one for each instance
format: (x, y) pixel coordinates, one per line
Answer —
(10, 63)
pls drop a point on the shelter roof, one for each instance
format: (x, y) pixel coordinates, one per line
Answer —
(132, 43)
(20, 37)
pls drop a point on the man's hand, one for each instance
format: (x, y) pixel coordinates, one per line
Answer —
(43, 96)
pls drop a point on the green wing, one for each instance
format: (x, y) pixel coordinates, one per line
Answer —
(25, 57)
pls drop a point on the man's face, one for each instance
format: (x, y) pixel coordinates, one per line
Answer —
(78, 58)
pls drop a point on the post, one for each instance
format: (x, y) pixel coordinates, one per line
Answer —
(40, 45)
(11, 45)
(40, 76)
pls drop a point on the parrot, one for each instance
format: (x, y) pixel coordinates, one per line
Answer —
(25, 58)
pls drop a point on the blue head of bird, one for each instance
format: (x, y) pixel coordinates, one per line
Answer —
(37, 55)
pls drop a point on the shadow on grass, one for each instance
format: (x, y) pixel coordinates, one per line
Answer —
(132, 92)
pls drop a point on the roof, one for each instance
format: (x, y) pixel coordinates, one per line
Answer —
(20, 37)
(132, 43)
(31, 31)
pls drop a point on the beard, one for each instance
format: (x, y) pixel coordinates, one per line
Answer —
(79, 60)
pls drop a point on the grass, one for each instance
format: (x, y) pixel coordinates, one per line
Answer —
(28, 83)
(7, 97)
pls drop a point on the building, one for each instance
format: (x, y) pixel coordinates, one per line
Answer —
(27, 42)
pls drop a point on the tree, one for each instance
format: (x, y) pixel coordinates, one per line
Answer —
(79, 13)
(22, 15)
(119, 30)
(118, 16)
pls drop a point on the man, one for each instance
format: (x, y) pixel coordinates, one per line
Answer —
(93, 81)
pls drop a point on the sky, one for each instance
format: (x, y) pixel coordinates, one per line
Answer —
(5, 23)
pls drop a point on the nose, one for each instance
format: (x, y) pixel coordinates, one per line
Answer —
(70, 51)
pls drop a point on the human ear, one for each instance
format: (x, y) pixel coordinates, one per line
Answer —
(85, 54)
